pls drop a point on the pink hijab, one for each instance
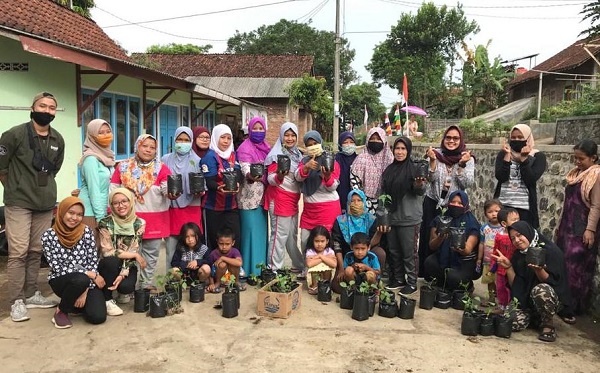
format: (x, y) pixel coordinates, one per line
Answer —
(369, 166)
(250, 151)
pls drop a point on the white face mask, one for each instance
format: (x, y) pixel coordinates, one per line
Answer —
(349, 149)
(314, 150)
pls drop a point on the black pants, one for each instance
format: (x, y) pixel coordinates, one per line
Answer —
(217, 220)
(69, 287)
(109, 268)
(430, 212)
(452, 277)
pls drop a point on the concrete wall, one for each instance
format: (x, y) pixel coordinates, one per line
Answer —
(550, 186)
(279, 112)
(570, 131)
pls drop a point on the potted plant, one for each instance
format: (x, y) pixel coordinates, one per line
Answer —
(407, 307)
(536, 255)
(347, 295)
(141, 300)
(443, 297)
(229, 299)
(470, 319)
(360, 307)
(323, 290)
(443, 225)
(196, 181)
(458, 295)
(174, 184)
(253, 280)
(503, 322)
(486, 326)
(427, 295)
(257, 170)
(197, 289)
(422, 168)
(373, 295)
(230, 181)
(382, 210)
(328, 161)
(283, 163)
(387, 302)
(266, 274)
(174, 283)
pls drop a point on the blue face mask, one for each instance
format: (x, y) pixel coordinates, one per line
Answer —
(349, 149)
(183, 148)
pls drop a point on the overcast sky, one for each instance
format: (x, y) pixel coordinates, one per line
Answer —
(516, 27)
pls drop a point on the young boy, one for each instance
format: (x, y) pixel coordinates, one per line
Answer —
(502, 243)
(361, 260)
(225, 258)
(486, 246)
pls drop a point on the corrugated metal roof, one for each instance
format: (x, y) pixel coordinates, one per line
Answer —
(245, 87)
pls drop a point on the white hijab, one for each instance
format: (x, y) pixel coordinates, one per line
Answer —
(217, 132)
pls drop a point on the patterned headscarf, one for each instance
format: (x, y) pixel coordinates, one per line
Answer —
(369, 167)
(139, 176)
(350, 224)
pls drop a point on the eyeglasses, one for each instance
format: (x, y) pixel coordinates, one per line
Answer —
(452, 138)
(120, 203)
(204, 137)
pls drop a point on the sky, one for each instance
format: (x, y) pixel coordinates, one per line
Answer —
(516, 28)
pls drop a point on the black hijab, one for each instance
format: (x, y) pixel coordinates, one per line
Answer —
(399, 176)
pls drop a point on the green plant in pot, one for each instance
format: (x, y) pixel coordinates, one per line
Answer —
(266, 274)
(427, 294)
(323, 289)
(536, 255)
(383, 219)
(172, 283)
(486, 326)
(503, 323)
(387, 302)
(443, 298)
(360, 308)
(347, 294)
(197, 289)
(443, 225)
(253, 280)
(230, 298)
(458, 295)
(471, 316)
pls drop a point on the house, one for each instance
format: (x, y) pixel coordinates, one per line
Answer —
(47, 47)
(563, 74)
(261, 79)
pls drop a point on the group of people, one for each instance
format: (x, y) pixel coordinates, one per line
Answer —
(380, 211)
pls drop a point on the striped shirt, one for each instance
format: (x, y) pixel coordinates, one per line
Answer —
(514, 193)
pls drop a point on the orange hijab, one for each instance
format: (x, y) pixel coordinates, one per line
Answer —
(68, 237)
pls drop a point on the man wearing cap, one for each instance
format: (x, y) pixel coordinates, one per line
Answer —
(31, 155)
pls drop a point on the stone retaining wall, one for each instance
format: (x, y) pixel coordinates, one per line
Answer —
(574, 129)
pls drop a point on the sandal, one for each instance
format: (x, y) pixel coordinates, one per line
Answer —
(313, 291)
(242, 287)
(571, 320)
(214, 290)
(549, 336)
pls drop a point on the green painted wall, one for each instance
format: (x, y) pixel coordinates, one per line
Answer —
(18, 89)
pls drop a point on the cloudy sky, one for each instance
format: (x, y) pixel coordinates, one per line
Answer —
(516, 28)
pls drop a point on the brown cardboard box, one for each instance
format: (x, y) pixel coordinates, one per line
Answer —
(278, 305)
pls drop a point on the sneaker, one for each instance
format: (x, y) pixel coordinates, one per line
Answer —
(393, 285)
(61, 320)
(123, 298)
(112, 309)
(18, 311)
(408, 290)
(37, 300)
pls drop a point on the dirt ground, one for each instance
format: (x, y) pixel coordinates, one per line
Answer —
(319, 337)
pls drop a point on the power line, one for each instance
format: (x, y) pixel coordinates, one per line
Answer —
(410, 3)
(313, 11)
(202, 14)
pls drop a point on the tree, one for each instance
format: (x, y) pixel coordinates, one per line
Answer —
(290, 37)
(310, 93)
(174, 48)
(354, 99)
(591, 11)
(80, 6)
(422, 46)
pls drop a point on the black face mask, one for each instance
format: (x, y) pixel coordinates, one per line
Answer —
(517, 145)
(375, 146)
(43, 119)
(455, 211)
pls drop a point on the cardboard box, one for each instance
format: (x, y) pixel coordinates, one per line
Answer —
(278, 305)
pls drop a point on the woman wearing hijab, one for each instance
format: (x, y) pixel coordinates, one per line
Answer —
(401, 183)
(518, 168)
(201, 141)
(145, 176)
(449, 265)
(541, 291)
(185, 207)
(96, 166)
(281, 200)
(220, 206)
(451, 168)
(70, 249)
(578, 233)
(120, 238)
(367, 168)
(355, 219)
(253, 218)
(345, 157)
(321, 201)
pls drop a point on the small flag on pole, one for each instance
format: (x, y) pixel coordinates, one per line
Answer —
(386, 120)
(397, 125)
(405, 89)
(366, 120)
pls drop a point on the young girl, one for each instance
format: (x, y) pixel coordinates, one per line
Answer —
(320, 258)
(487, 236)
(191, 254)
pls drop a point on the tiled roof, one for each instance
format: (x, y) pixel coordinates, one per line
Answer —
(49, 20)
(569, 58)
(232, 65)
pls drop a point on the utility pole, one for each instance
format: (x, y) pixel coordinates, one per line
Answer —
(336, 73)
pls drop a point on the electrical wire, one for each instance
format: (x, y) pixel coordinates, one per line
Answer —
(308, 16)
